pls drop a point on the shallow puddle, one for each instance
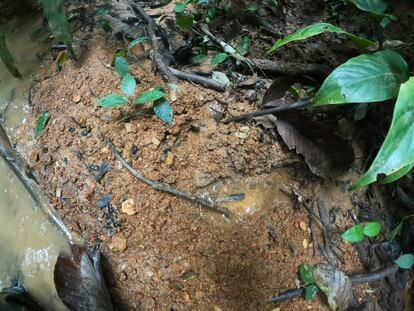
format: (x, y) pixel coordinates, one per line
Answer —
(29, 242)
(244, 197)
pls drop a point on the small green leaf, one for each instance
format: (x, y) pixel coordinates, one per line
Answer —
(199, 58)
(316, 29)
(41, 123)
(219, 58)
(121, 66)
(372, 229)
(112, 101)
(184, 21)
(354, 234)
(396, 231)
(358, 80)
(128, 85)
(149, 96)
(181, 6)
(405, 261)
(397, 150)
(163, 110)
(397, 175)
(136, 41)
(311, 291)
(243, 44)
(306, 273)
(251, 8)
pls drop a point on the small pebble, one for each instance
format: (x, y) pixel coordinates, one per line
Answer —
(305, 243)
(76, 98)
(128, 127)
(128, 207)
(155, 141)
(169, 160)
(302, 225)
(118, 244)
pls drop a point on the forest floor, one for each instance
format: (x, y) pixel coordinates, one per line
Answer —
(163, 253)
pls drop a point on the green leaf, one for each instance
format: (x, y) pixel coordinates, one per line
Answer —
(163, 110)
(219, 58)
(306, 273)
(354, 234)
(149, 96)
(7, 58)
(397, 150)
(316, 29)
(54, 11)
(121, 66)
(181, 6)
(364, 79)
(372, 6)
(41, 123)
(199, 58)
(136, 41)
(396, 231)
(128, 85)
(112, 101)
(311, 291)
(372, 229)
(397, 175)
(184, 21)
(405, 261)
(243, 44)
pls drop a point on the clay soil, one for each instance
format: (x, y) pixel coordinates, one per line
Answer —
(168, 254)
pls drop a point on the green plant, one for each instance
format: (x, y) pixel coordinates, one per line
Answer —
(405, 261)
(306, 274)
(161, 106)
(358, 232)
(398, 228)
(376, 77)
(41, 123)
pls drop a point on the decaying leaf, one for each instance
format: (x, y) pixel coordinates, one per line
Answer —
(335, 284)
(325, 153)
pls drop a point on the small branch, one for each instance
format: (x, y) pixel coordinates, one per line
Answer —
(355, 279)
(299, 104)
(167, 188)
(158, 60)
(209, 83)
(287, 68)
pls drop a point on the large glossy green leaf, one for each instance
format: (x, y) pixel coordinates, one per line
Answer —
(7, 58)
(364, 79)
(128, 85)
(372, 6)
(54, 12)
(316, 29)
(397, 150)
(163, 110)
(112, 101)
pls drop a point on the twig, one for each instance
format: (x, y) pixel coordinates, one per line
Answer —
(209, 83)
(167, 188)
(158, 60)
(288, 68)
(355, 279)
(299, 104)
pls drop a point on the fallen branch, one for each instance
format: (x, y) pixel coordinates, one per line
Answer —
(288, 68)
(167, 188)
(209, 83)
(157, 54)
(355, 279)
(299, 104)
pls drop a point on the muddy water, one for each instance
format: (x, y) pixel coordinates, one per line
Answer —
(244, 197)
(29, 243)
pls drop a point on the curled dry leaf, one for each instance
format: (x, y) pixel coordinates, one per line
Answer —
(335, 284)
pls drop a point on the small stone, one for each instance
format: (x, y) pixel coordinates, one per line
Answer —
(276, 309)
(244, 129)
(128, 127)
(128, 207)
(76, 99)
(218, 309)
(169, 160)
(305, 243)
(155, 141)
(186, 297)
(303, 226)
(241, 135)
(58, 192)
(118, 244)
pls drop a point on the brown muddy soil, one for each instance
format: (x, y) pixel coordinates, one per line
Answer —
(165, 253)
